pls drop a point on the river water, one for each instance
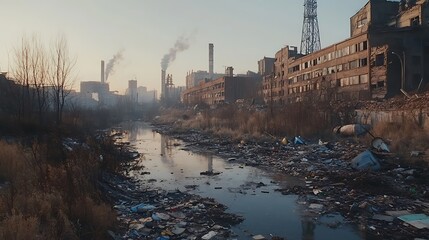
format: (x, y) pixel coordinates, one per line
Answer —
(246, 191)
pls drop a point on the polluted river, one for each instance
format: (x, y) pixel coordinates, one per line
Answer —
(170, 164)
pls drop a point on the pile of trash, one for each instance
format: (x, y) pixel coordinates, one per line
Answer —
(362, 183)
(159, 214)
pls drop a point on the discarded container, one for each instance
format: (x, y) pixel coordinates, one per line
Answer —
(379, 144)
(366, 160)
(284, 141)
(352, 130)
(142, 207)
(298, 140)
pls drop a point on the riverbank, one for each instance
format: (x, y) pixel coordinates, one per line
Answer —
(144, 212)
(372, 199)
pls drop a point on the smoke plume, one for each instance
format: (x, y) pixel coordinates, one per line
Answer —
(112, 62)
(181, 45)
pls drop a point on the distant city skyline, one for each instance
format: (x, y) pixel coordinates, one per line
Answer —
(242, 31)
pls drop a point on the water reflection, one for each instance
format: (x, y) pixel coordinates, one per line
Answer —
(308, 227)
(238, 187)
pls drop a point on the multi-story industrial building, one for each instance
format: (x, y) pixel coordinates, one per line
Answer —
(226, 89)
(387, 52)
(194, 78)
(266, 66)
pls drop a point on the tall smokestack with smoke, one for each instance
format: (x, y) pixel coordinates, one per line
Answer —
(181, 45)
(111, 64)
(211, 50)
(163, 84)
(102, 71)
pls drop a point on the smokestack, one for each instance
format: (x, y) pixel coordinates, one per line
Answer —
(211, 49)
(102, 71)
(162, 83)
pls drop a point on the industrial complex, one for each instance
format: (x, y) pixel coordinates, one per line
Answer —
(386, 54)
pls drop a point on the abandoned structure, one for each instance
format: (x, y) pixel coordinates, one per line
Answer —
(387, 52)
(226, 89)
(193, 78)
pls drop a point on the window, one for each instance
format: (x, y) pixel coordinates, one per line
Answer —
(346, 66)
(352, 49)
(379, 60)
(364, 45)
(363, 62)
(363, 78)
(346, 51)
(354, 80)
(354, 64)
(340, 68)
(415, 21)
(362, 22)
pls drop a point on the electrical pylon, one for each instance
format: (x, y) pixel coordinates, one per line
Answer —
(310, 40)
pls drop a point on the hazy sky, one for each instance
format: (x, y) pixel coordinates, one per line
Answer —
(242, 31)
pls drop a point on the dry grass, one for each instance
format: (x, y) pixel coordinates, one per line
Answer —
(50, 200)
(243, 123)
(404, 138)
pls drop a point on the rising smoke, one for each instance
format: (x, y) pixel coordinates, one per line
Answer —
(111, 64)
(181, 45)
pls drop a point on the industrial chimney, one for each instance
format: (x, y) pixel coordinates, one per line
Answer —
(211, 49)
(163, 83)
(102, 71)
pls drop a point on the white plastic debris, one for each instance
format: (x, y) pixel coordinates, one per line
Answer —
(209, 235)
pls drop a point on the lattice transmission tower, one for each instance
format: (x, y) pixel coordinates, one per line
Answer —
(310, 40)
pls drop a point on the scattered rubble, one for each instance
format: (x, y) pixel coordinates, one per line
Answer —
(159, 214)
(365, 197)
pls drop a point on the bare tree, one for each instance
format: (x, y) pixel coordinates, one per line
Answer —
(60, 78)
(30, 73)
(39, 66)
(21, 72)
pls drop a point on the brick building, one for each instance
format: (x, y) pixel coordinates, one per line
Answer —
(226, 89)
(388, 51)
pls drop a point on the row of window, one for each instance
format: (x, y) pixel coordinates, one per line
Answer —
(362, 46)
(348, 81)
(213, 95)
(330, 70)
(355, 80)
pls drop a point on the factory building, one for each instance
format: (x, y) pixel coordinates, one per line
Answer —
(145, 96)
(387, 53)
(226, 89)
(194, 78)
